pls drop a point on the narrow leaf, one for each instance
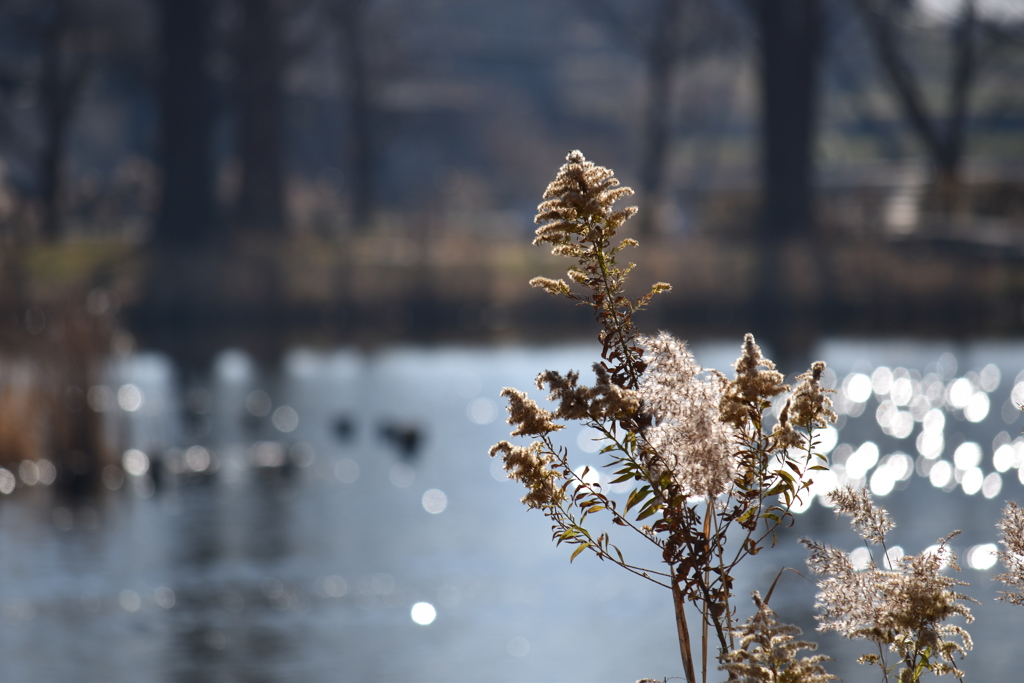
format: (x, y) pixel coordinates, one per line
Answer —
(578, 550)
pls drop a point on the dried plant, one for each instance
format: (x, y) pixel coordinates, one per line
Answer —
(768, 652)
(902, 607)
(1011, 535)
(697, 448)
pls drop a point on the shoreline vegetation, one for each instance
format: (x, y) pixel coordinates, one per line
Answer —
(379, 288)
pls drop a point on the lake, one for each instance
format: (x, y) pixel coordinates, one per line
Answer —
(338, 519)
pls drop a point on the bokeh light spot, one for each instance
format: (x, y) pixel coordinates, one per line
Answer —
(881, 380)
(130, 398)
(1004, 458)
(135, 462)
(7, 481)
(1017, 394)
(959, 393)
(257, 402)
(401, 475)
(588, 475)
(335, 586)
(972, 481)
(434, 501)
(940, 474)
(860, 558)
(982, 556)
(28, 472)
(977, 407)
(989, 377)
(518, 647)
(902, 391)
(423, 613)
(129, 601)
(967, 455)
(857, 387)
(285, 419)
(827, 438)
(164, 597)
(481, 411)
(590, 440)
(197, 459)
(992, 485)
(862, 460)
(930, 442)
(346, 471)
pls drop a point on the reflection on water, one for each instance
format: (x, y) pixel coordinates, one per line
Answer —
(339, 520)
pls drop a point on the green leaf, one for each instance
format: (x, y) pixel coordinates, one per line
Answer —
(637, 496)
(783, 474)
(650, 509)
(746, 515)
(578, 550)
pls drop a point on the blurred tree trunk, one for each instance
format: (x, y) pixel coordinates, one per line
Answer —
(59, 88)
(188, 215)
(663, 54)
(661, 38)
(790, 46)
(350, 19)
(945, 146)
(260, 106)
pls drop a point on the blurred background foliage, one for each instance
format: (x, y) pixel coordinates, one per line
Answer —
(189, 175)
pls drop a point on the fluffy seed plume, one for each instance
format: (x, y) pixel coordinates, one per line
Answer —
(905, 609)
(689, 439)
(868, 520)
(1011, 535)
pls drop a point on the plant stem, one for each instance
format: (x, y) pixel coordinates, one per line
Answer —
(684, 632)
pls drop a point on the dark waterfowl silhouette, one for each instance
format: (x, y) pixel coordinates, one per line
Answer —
(406, 438)
(343, 427)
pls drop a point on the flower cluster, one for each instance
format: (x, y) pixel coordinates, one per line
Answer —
(767, 652)
(604, 400)
(808, 407)
(756, 381)
(531, 467)
(580, 193)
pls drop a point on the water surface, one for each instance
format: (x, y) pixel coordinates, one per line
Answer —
(227, 567)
